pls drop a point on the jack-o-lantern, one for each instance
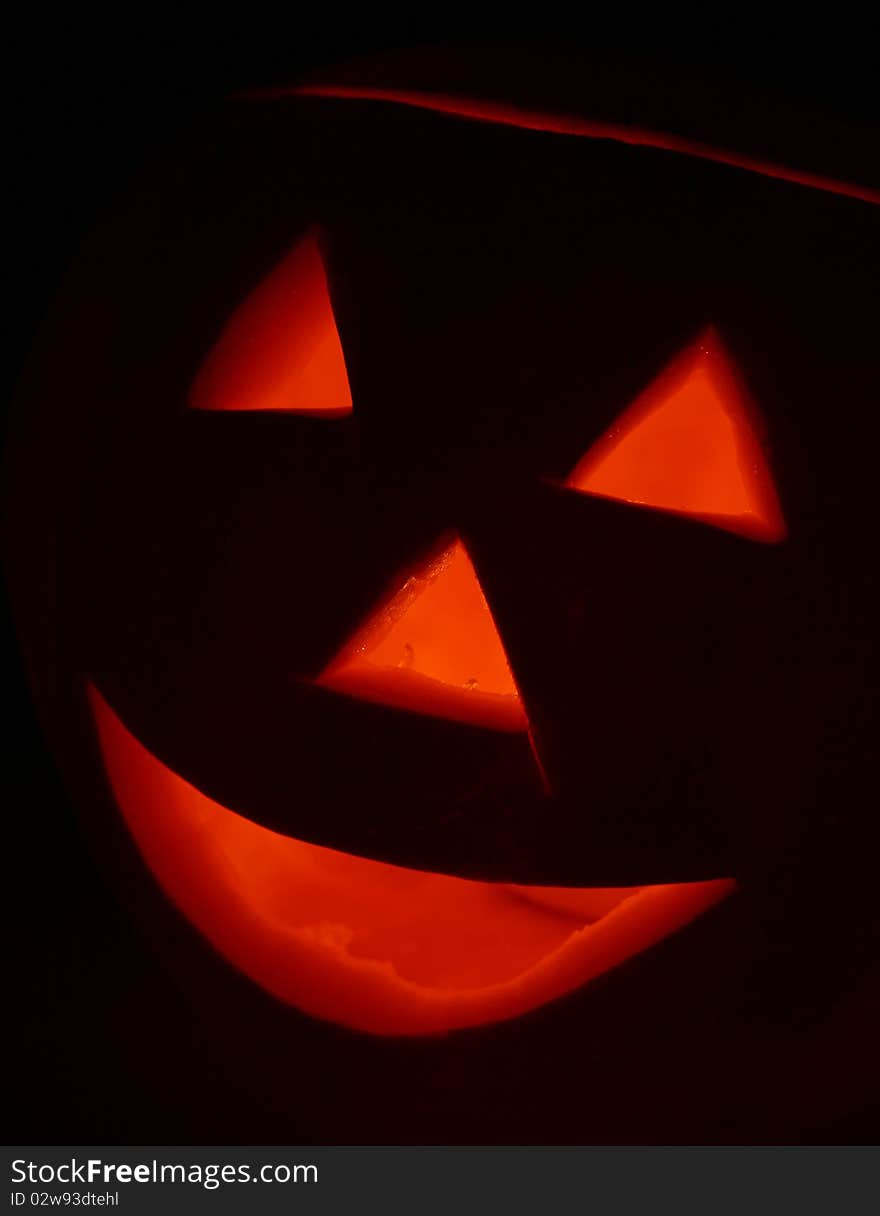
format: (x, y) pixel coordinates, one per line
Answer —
(457, 538)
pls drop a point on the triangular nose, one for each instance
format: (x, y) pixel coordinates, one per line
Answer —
(433, 648)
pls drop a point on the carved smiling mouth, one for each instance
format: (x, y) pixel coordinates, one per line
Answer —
(372, 946)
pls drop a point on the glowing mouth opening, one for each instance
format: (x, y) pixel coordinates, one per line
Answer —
(373, 946)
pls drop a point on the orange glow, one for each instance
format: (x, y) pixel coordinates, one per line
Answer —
(687, 445)
(280, 349)
(505, 114)
(433, 648)
(373, 946)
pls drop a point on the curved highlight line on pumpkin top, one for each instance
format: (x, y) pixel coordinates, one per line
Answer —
(368, 945)
(508, 115)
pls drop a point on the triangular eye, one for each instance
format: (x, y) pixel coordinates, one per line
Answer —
(688, 444)
(433, 648)
(280, 349)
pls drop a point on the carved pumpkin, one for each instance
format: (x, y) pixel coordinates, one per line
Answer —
(451, 544)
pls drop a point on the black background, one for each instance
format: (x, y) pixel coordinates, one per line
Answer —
(89, 99)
